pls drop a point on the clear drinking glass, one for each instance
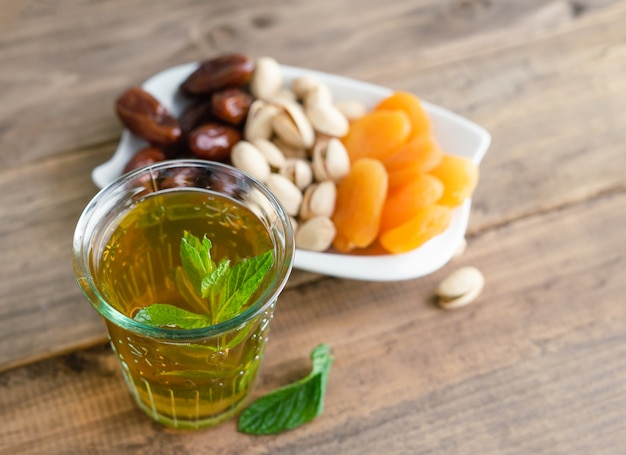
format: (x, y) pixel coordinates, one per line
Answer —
(183, 378)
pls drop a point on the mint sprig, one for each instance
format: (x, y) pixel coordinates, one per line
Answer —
(293, 405)
(218, 290)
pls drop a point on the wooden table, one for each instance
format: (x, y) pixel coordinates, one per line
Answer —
(536, 366)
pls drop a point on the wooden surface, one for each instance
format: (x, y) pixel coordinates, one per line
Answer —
(536, 365)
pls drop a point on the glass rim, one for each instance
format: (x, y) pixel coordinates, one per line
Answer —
(284, 250)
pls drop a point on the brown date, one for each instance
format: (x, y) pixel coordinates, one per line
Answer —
(231, 70)
(231, 105)
(144, 157)
(213, 141)
(195, 114)
(143, 115)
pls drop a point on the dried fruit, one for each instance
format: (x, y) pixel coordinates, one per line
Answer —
(213, 141)
(233, 70)
(231, 105)
(416, 156)
(360, 199)
(377, 134)
(428, 222)
(144, 157)
(409, 103)
(459, 176)
(144, 116)
(405, 201)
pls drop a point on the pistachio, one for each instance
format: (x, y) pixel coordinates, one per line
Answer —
(298, 171)
(259, 122)
(286, 192)
(460, 288)
(271, 152)
(288, 150)
(318, 95)
(302, 85)
(461, 248)
(316, 234)
(330, 160)
(319, 200)
(246, 157)
(352, 109)
(327, 119)
(293, 126)
(267, 78)
(282, 96)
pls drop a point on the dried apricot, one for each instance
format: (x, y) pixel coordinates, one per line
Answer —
(459, 176)
(360, 199)
(410, 104)
(377, 134)
(414, 157)
(428, 222)
(404, 202)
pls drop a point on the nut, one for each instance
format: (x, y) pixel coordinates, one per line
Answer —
(302, 85)
(288, 150)
(259, 123)
(213, 141)
(316, 234)
(298, 171)
(293, 126)
(319, 200)
(271, 152)
(143, 115)
(266, 79)
(328, 120)
(286, 192)
(330, 160)
(282, 96)
(352, 109)
(247, 158)
(461, 248)
(318, 95)
(460, 288)
(233, 70)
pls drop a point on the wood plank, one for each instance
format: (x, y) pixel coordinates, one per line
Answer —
(534, 366)
(69, 60)
(546, 149)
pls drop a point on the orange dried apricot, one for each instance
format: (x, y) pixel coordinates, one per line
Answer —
(428, 222)
(404, 202)
(414, 157)
(409, 103)
(459, 176)
(377, 134)
(360, 198)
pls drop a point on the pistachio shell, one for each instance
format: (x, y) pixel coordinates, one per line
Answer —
(298, 171)
(286, 192)
(249, 159)
(293, 126)
(460, 288)
(318, 95)
(330, 160)
(352, 109)
(316, 234)
(271, 152)
(302, 85)
(327, 119)
(319, 200)
(266, 79)
(259, 122)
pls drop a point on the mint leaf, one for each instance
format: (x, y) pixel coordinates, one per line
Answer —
(164, 315)
(195, 256)
(240, 284)
(293, 405)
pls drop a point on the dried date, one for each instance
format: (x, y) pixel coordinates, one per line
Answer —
(213, 141)
(144, 157)
(233, 70)
(231, 105)
(143, 115)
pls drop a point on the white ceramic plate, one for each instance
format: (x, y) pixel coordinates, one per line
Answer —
(455, 134)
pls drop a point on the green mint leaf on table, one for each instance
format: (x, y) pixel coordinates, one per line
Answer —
(293, 405)
(218, 291)
(164, 315)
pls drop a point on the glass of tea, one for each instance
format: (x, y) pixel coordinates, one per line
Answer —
(127, 260)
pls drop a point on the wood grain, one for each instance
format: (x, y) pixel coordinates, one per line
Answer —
(511, 374)
(555, 118)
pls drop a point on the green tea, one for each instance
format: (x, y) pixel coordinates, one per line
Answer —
(182, 383)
